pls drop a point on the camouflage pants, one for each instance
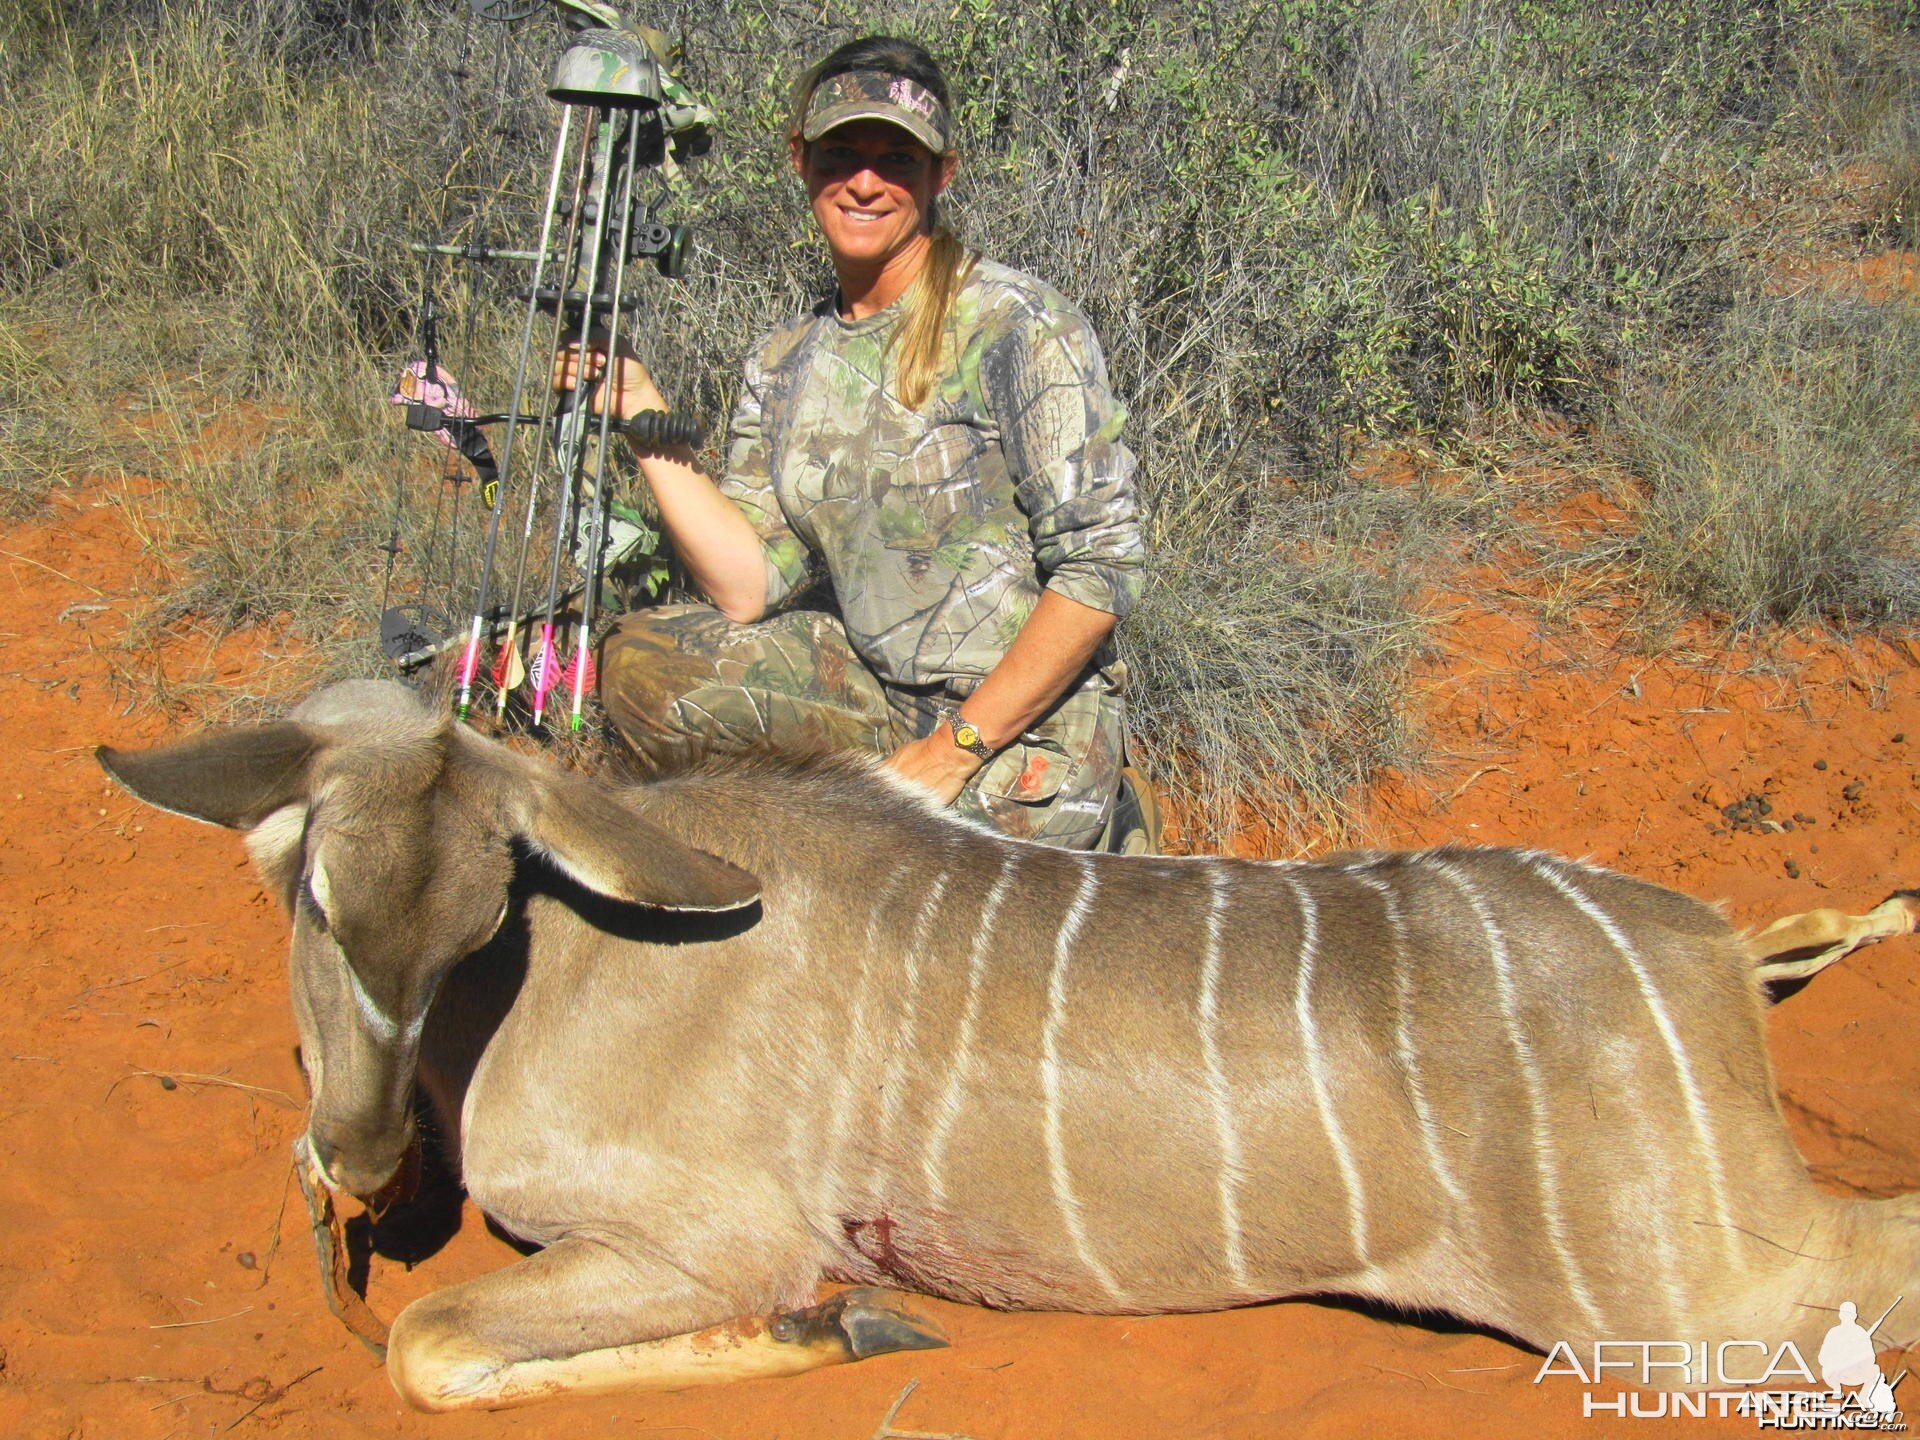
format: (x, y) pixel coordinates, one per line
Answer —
(680, 680)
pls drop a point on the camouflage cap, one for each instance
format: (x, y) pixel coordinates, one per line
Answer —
(877, 95)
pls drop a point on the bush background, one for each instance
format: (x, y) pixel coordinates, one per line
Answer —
(1302, 229)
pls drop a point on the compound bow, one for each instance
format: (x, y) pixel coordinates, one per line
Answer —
(621, 111)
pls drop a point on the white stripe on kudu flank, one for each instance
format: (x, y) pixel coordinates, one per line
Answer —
(1550, 871)
(1317, 1070)
(1404, 1049)
(1546, 1176)
(900, 1058)
(835, 1142)
(920, 926)
(1063, 1195)
(1232, 1170)
(948, 1113)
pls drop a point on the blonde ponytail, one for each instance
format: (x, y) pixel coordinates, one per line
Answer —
(923, 332)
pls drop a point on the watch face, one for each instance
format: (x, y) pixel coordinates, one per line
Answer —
(966, 734)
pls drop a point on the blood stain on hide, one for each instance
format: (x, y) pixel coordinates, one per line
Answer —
(872, 1240)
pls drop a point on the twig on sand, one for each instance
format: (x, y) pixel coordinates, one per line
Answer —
(182, 1077)
(38, 565)
(129, 979)
(887, 1432)
(184, 1324)
(1389, 1370)
(273, 1241)
(273, 1395)
(1443, 1384)
(1454, 794)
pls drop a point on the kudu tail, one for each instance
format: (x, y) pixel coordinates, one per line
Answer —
(1798, 947)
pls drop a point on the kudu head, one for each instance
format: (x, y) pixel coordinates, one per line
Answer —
(388, 834)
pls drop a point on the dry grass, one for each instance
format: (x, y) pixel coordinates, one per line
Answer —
(1285, 621)
(1896, 215)
(58, 420)
(1782, 465)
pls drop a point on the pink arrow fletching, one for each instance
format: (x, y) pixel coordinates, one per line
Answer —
(469, 665)
(578, 683)
(546, 669)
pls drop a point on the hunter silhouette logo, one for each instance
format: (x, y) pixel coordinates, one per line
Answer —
(1742, 1377)
(1848, 1360)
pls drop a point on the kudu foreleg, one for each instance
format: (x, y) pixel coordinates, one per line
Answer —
(511, 1337)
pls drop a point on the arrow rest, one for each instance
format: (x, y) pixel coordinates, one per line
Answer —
(412, 635)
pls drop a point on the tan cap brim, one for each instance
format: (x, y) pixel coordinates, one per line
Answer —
(847, 111)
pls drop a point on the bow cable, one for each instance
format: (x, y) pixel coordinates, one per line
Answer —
(583, 649)
(574, 415)
(470, 662)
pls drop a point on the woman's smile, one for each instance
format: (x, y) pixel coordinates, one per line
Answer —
(872, 188)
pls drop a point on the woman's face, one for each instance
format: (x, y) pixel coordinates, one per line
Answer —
(872, 187)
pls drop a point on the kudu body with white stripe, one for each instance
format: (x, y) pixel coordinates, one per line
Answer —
(715, 1039)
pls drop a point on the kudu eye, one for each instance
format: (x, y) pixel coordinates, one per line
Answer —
(311, 904)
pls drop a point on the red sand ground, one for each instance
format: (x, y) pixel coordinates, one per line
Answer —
(138, 945)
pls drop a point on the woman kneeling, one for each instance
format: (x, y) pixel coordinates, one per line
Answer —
(938, 434)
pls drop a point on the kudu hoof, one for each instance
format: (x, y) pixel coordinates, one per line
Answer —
(862, 1322)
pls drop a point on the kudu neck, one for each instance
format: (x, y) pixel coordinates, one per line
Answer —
(779, 820)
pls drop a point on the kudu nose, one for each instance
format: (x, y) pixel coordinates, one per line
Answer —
(361, 1173)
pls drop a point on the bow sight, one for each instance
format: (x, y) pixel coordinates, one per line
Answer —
(621, 112)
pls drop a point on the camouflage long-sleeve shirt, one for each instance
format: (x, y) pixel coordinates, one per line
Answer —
(940, 527)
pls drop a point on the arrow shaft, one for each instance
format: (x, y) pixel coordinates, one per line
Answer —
(483, 594)
(574, 416)
(596, 530)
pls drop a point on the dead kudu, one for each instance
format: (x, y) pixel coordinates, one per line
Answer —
(715, 1039)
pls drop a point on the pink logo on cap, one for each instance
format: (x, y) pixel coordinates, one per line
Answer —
(909, 96)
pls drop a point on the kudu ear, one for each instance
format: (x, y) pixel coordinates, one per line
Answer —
(606, 847)
(234, 778)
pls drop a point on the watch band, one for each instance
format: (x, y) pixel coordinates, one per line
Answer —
(965, 733)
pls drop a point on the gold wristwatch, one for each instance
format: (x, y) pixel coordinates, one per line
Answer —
(965, 733)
